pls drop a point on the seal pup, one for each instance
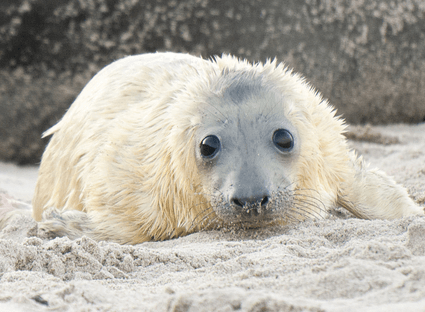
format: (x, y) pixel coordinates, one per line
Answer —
(160, 145)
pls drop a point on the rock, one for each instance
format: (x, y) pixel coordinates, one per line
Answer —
(366, 56)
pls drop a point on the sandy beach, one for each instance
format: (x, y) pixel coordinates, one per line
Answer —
(337, 264)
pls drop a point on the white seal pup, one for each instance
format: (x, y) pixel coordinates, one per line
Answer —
(161, 145)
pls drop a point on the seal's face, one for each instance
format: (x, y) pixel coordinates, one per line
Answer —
(246, 149)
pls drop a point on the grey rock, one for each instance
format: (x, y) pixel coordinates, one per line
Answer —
(366, 56)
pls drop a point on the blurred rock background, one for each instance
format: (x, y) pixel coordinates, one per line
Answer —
(366, 56)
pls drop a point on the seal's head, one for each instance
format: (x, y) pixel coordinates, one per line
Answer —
(247, 151)
(259, 151)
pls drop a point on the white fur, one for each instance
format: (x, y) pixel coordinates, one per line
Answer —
(123, 154)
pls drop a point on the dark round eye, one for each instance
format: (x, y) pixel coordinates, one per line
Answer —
(283, 140)
(210, 146)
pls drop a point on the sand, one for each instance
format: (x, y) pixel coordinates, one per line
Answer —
(337, 264)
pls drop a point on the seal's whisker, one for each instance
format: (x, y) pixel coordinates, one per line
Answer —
(303, 207)
(318, 205)
(206, 216)
(199, 215)
(289, 217)
(302, 213)
(211, 221)
(308, 190)
(292, 212)
(308, 203)
(312, 202)
(218, 192)
(292, 183)
(306, 214)
(285, 188)
(312, 198)
(198, 204)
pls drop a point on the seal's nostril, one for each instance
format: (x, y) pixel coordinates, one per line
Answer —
(265, 201)
(237, 202)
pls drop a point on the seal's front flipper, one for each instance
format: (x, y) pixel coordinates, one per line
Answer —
(71, 223)
(371, 194)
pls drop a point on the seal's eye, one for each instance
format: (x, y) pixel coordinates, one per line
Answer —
(210, 146)
(283, 140)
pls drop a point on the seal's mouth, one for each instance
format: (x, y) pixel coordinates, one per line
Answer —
(253, 214)
(252, 223)
(248, 216)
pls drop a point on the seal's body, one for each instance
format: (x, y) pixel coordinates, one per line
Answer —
(160, 145)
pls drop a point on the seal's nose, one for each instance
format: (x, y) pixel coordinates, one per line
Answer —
(251, 206)
(251, 202)
(249, 194)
